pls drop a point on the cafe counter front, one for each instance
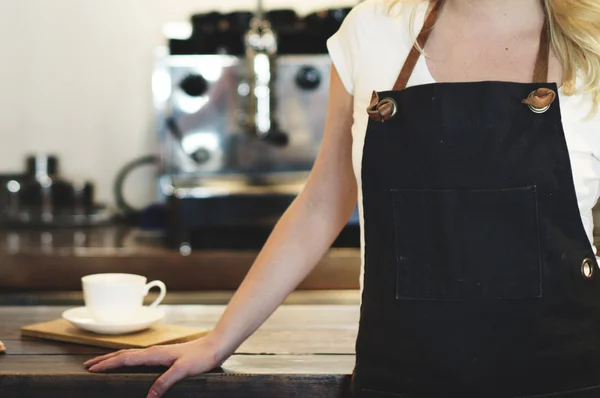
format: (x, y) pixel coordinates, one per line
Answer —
(301, 351)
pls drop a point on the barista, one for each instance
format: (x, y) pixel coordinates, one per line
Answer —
(476, 168)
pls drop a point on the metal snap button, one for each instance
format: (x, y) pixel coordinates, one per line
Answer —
(587, 268)
(383, 110)
(540, 100)
(387, 108)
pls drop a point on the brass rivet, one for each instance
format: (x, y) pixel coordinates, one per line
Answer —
(587, 268)
(533, 108)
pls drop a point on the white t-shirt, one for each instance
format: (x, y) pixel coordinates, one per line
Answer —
(368, 52)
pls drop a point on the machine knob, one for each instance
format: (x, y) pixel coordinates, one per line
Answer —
(201, 155)
(194, 85)
(308, 78)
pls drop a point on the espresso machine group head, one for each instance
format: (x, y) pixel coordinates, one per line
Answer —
(261, 60)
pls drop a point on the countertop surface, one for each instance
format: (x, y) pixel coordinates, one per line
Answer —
(302, 350)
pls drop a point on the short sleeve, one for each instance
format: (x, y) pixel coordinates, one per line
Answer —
(344, 45)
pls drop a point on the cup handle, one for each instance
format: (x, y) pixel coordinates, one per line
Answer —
(161, 296)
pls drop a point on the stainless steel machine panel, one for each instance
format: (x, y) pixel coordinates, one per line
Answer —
(207, 107)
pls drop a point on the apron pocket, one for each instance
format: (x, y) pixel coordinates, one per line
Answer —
(455, 245)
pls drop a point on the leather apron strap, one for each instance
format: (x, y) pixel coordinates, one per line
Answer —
(540, 74)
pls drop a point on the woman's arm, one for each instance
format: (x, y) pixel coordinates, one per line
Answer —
(301, 237)
(303, 234)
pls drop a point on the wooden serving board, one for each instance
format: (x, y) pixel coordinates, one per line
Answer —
(62, 330)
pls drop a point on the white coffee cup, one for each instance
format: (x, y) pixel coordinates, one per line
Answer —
(118, 298)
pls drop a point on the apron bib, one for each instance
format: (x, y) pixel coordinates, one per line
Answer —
(480, 281)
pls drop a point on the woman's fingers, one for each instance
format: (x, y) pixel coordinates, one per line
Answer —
(167, 380)
(183, 360)
(148, 357)
(101, 358)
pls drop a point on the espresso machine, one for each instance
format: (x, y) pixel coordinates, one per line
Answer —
(241, 107)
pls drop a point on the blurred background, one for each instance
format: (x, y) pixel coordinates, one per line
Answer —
(161, 138)
(76, 81)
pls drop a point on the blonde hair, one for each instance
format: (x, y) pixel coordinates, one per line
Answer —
(575, 38)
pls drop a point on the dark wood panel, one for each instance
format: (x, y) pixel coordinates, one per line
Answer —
(32, 265)
(215, 271)
(206, 386)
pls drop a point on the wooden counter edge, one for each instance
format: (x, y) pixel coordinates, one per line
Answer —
(208, 385)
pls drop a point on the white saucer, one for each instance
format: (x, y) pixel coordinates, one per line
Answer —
(82, 318)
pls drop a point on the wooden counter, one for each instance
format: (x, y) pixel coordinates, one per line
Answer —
(56, 259)
(301, 351)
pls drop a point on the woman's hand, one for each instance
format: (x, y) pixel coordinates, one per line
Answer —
(183, 360)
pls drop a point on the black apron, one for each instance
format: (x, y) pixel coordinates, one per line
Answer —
(479, 278)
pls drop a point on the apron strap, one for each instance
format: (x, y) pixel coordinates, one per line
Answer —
(540, 74)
